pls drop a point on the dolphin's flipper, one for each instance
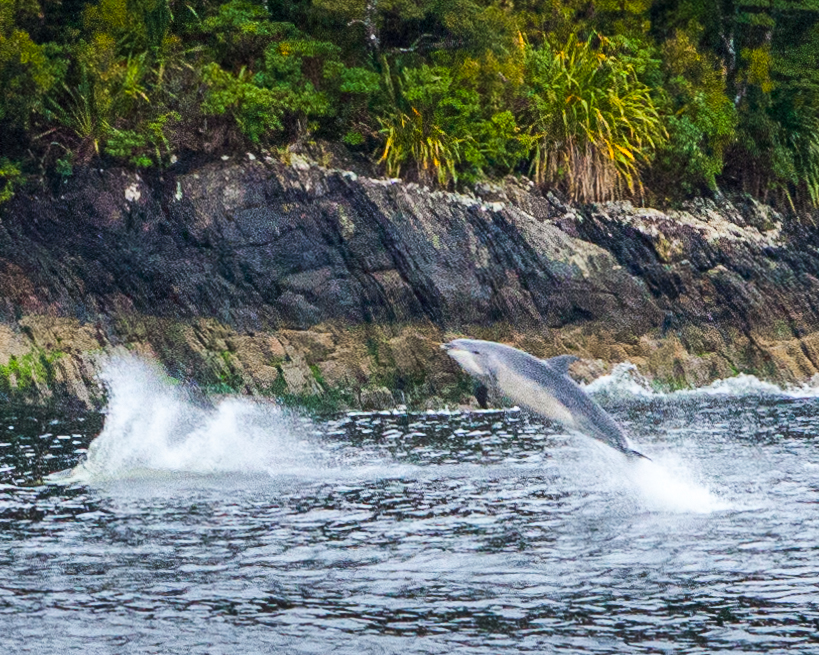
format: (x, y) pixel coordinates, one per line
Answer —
(481, 394)
(561, 363)
(633, 454)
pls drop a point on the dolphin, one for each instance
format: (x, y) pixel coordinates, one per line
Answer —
(542, 386)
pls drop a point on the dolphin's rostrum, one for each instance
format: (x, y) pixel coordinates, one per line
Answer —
(542, 386)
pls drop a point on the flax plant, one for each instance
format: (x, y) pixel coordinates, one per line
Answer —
(594, 122)
(412, 138)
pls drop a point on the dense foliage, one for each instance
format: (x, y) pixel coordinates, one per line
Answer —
(596, 98)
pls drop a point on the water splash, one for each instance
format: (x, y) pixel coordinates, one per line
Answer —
(667, 483)
(154, 424)
(750, 385)
(626, 383)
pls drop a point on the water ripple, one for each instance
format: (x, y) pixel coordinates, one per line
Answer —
(437, 533)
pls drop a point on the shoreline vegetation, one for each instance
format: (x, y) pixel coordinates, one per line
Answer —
(596, 99)
(177, 168)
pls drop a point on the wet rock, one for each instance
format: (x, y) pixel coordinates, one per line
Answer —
(376, 398)
(299, 378)
(263, 277)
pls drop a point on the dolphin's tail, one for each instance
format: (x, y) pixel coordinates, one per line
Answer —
(633, 454)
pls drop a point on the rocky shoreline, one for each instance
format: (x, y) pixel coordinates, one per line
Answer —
(329, 289)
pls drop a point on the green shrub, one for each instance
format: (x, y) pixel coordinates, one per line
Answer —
(698, 135)
(239, 31)
(10, 177)
(285, 79)
(137, 25)
(256, 110)
(439, 125)
(26, 71)
(782, 154)
(701, 119)
(148, 145)
(64, 166)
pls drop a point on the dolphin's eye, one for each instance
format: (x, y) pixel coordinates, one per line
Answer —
(476, 352)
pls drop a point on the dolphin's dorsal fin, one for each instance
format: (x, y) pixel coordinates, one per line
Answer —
(561, 363)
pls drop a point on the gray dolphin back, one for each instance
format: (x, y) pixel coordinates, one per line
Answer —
(590, 418)
(552, 375)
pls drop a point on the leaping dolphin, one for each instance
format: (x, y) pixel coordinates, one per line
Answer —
(542, 386)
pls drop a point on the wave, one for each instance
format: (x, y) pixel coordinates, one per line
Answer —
(623, 382)
(626, 383)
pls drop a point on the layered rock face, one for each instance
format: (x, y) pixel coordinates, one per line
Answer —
(308, 282)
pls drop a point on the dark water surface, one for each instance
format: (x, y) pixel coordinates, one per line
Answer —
(241, 529)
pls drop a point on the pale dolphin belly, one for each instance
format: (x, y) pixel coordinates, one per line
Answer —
(525, 391)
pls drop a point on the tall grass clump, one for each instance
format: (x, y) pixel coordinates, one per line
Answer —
(594, 121)
(414, 138)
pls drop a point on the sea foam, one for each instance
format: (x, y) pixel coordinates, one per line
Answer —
(626, 383)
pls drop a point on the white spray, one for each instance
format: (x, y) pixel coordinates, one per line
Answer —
(151, 424)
